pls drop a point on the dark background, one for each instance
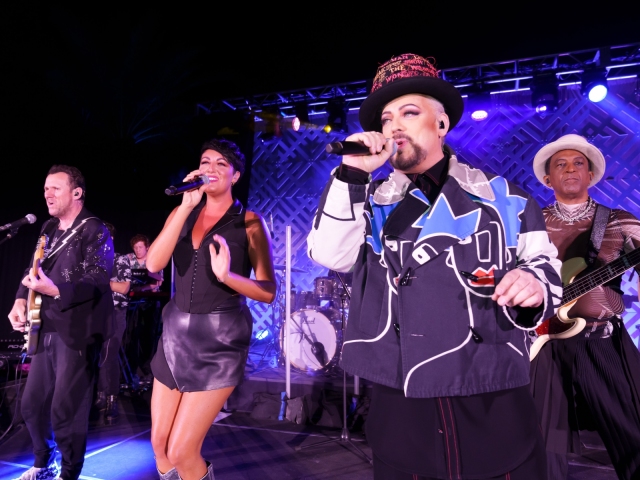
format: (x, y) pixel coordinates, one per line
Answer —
(112, 89)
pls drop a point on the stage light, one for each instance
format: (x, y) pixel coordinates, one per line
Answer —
(301, 117)
(262, 334)
(337, 116)
(594, 84)
(544, 93)
(478, 103)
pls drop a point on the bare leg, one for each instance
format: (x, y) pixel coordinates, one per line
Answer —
(196, 412)
(164, 408)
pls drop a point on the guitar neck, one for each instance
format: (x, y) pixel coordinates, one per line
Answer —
(600, 276)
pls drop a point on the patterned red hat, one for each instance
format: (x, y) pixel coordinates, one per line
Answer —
(402, 75)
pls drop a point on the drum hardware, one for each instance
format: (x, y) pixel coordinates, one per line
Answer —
(277, 305)
(323, 287)
(314, 340)
(345, 436)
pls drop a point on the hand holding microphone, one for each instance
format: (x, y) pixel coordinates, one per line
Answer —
(366, 150)
(187, 185)
(190, 188)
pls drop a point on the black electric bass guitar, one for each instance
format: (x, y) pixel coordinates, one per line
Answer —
(560, 325)
(34, 301)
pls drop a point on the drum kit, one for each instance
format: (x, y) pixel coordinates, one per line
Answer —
(315, 326)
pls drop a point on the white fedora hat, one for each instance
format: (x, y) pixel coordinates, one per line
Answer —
(570, 142)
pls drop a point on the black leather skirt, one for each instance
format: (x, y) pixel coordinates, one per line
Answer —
(203, 351)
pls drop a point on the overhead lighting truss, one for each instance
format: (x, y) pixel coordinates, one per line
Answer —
(508, 76)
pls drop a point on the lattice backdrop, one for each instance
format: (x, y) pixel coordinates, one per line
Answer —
(289, 172)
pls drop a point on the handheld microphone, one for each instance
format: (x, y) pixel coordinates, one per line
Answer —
(187, 186)
(347, 148)
(352, 148)
(29, 218)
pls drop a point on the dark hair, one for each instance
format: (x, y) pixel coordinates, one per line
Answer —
(140, 238)
(111, 228)
(76, 179)
(547, 164)
(228, 150)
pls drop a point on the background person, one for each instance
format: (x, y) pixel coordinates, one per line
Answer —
(143, 317)
(591, 380)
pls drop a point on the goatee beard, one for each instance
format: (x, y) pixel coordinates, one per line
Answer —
(407, 159)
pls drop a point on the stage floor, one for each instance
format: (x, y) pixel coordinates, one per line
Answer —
(242, 447)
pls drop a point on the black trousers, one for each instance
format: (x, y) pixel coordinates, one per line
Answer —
(109, 376)
(56, 402)
(533, 468)
(590, 383)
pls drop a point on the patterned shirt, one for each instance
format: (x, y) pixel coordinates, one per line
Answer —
(138, 265)
(621, 236)
(121, 273)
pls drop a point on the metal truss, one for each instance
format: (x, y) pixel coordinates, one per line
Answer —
(619, 62)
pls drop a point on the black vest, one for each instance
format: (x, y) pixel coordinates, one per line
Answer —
(197, 289)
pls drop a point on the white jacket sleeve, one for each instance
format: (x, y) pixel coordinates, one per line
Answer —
(339, 226)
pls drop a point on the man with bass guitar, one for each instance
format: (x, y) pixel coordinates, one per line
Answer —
(75, 316)
(590, 380)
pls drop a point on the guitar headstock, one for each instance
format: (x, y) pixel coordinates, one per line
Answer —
(43, 240)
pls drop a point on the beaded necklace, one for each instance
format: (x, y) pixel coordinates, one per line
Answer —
(566, 215)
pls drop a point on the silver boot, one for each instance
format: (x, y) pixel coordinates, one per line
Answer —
(208, 475)
(170, 475)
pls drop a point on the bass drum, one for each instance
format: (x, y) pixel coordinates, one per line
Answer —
(315, 340)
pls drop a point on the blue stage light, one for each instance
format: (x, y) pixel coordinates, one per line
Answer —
(594, 84)
(478, 102)
(262, 334)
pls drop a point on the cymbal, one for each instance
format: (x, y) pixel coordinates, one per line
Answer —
(279, 266)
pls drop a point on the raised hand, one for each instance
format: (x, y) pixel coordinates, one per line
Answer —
(191, 198)
(381, 149)
(221, 261)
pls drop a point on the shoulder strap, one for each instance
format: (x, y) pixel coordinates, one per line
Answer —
(600, 220)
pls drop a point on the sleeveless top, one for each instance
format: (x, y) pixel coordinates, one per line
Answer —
(197, 289)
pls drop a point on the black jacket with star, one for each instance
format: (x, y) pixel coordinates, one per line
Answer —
(80, 265)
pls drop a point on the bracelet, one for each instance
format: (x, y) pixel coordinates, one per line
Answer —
(57, 297)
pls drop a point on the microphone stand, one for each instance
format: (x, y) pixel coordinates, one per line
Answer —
(345, 435)
(12, 233)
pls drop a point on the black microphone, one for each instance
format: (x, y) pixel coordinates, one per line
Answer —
(29, 218)
(347, 148)
(187, 186)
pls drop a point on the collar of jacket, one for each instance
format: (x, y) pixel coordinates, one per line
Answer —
(471, 180)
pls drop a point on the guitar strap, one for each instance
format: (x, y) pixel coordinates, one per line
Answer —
(63, 240)
(600, 220)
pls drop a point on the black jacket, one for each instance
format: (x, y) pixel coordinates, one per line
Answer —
(80, 265)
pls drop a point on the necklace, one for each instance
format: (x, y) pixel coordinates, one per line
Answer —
(565, 214)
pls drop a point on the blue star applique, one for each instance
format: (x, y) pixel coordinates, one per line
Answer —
(509, 207)
(440, 220)
(380, 215)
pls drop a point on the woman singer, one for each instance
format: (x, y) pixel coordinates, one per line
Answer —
(201, 356)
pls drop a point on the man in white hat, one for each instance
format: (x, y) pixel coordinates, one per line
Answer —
(600, 365)
(451, 268)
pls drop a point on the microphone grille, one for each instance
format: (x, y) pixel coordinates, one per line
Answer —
(31, 218)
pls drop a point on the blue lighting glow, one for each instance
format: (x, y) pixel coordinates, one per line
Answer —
(262, 334)
(597, 93)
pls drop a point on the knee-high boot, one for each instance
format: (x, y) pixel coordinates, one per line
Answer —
(208, 475)
(170, 475)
